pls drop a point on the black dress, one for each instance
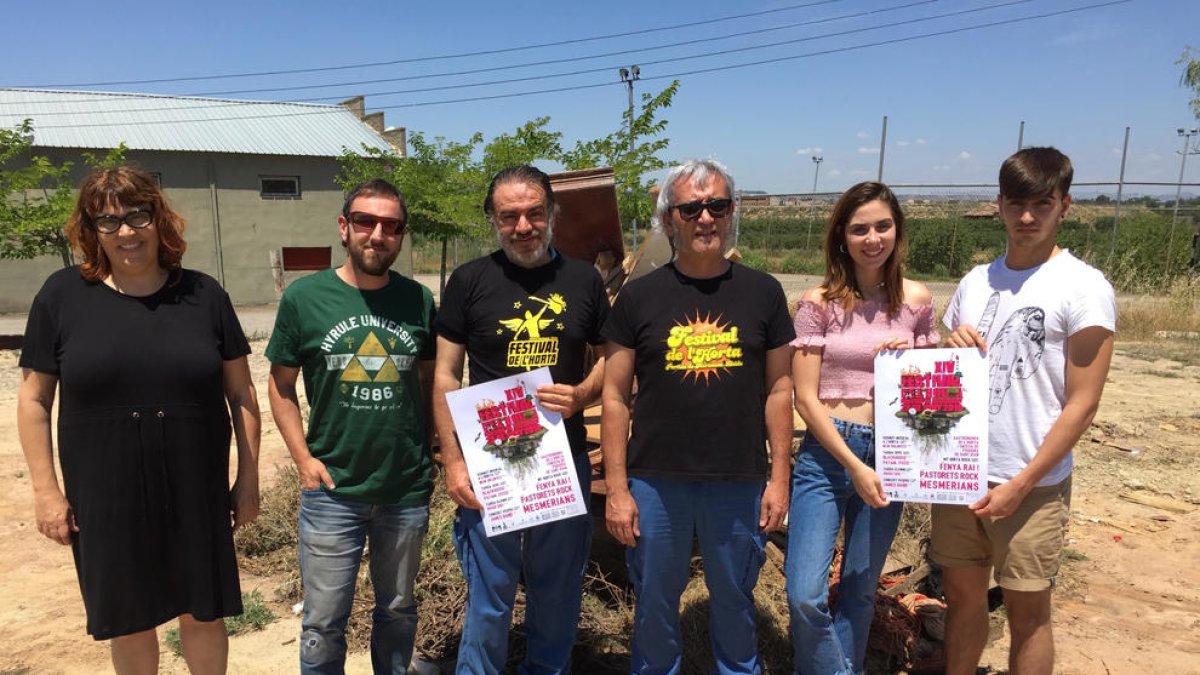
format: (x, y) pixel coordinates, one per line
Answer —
(144, 442)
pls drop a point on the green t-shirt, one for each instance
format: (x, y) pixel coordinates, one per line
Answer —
(359, 351)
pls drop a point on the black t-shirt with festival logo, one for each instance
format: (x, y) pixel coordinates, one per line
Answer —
(514, 319)
(700, 361)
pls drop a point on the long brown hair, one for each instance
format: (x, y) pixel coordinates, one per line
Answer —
(840, 282)
(132, 188)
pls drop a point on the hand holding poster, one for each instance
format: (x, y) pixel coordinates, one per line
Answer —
(517, 453)
(931, 425)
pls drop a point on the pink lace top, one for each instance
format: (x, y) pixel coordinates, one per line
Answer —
(847, 365)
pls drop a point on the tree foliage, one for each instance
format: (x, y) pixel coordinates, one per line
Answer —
(1190, 78)
(36, 197)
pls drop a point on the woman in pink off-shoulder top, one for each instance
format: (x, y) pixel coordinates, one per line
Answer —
(863, 306)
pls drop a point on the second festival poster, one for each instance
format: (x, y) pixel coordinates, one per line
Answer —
(931, 417)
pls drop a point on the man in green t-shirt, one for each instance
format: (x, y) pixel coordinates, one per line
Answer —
(363, 338)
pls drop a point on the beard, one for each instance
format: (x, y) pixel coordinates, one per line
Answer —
(531, 258)
(370, 260)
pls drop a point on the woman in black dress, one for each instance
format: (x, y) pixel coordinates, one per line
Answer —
(150, 363)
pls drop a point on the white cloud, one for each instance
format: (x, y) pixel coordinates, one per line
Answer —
(861, 173)
(833, 173)
(964, 156)
(1116, 152)
(920, 141)
(862, 135)
(808, 151)
(1153, 156)
(902, 144)
(864, 150)
(940, 167)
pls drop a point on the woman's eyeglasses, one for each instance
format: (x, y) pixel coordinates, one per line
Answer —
(366, 222)
(135, 219)
(717, 208)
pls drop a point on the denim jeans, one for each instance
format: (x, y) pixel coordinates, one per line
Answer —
(332, 534)
(550, 559)
(723, 516)
(823, 496)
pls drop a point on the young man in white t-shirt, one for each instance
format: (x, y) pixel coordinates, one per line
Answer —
(1046, 320)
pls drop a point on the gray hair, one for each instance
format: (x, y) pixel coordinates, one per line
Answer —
(698, 171)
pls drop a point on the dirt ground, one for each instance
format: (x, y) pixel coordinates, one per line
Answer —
(1129, 601)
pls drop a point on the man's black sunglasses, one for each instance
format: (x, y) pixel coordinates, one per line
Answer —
(717, 208)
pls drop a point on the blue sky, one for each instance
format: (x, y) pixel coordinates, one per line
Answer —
(954, 102)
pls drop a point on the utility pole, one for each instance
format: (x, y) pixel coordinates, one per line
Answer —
(882, 148)
(629, 76)
(812, 201)
(1186, 134)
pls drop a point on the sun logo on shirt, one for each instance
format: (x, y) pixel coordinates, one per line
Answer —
(703, 347)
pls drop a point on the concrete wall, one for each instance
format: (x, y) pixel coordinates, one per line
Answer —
(231, 229)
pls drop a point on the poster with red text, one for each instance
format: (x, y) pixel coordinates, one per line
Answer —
(931, 416)
(517, 453)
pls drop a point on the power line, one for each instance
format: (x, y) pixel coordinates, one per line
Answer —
(824, 52)
(626, 52)
(423, 59)
(590, 71)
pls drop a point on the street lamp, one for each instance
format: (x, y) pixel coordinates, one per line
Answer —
(812, 201)
(1186, 134)
(629, 76)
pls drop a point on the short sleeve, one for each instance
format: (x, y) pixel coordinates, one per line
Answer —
(619, 326)
(1094, 304)
(950, 319)
(810, 325)
(600, 300)
(925, 333)
(429, 349)
(780, 330)
(233, 344)
(39, 348)
(284, 346)
(451, 320)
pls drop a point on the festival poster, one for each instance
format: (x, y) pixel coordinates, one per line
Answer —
(517, 453)
(931, 425)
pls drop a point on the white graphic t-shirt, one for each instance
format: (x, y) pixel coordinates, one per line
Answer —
(1026, 317)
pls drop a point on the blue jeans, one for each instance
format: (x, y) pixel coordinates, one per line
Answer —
(823, 496)
(332, 533)
(551, 560)
(723, 516)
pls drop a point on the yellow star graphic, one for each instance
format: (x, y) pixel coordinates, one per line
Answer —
(499, 331)
(517, 305)
(558, 325)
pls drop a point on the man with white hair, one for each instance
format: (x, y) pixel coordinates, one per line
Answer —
(707, 340)
(520, 308)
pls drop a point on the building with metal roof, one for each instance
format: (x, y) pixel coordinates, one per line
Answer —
(253, 179)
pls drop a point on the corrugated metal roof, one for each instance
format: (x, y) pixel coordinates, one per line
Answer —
(83, 119)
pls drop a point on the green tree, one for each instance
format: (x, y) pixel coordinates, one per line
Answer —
(444, 181)
(1190, 78)
(633, 152)
(35, 199)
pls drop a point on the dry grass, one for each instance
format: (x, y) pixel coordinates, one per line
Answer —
(1176, 311)
(268, 547)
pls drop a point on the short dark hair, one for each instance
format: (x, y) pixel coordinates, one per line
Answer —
(376, 187)
(521, 174)
(1032, 173)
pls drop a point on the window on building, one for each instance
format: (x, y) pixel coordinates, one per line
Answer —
(279, 187)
